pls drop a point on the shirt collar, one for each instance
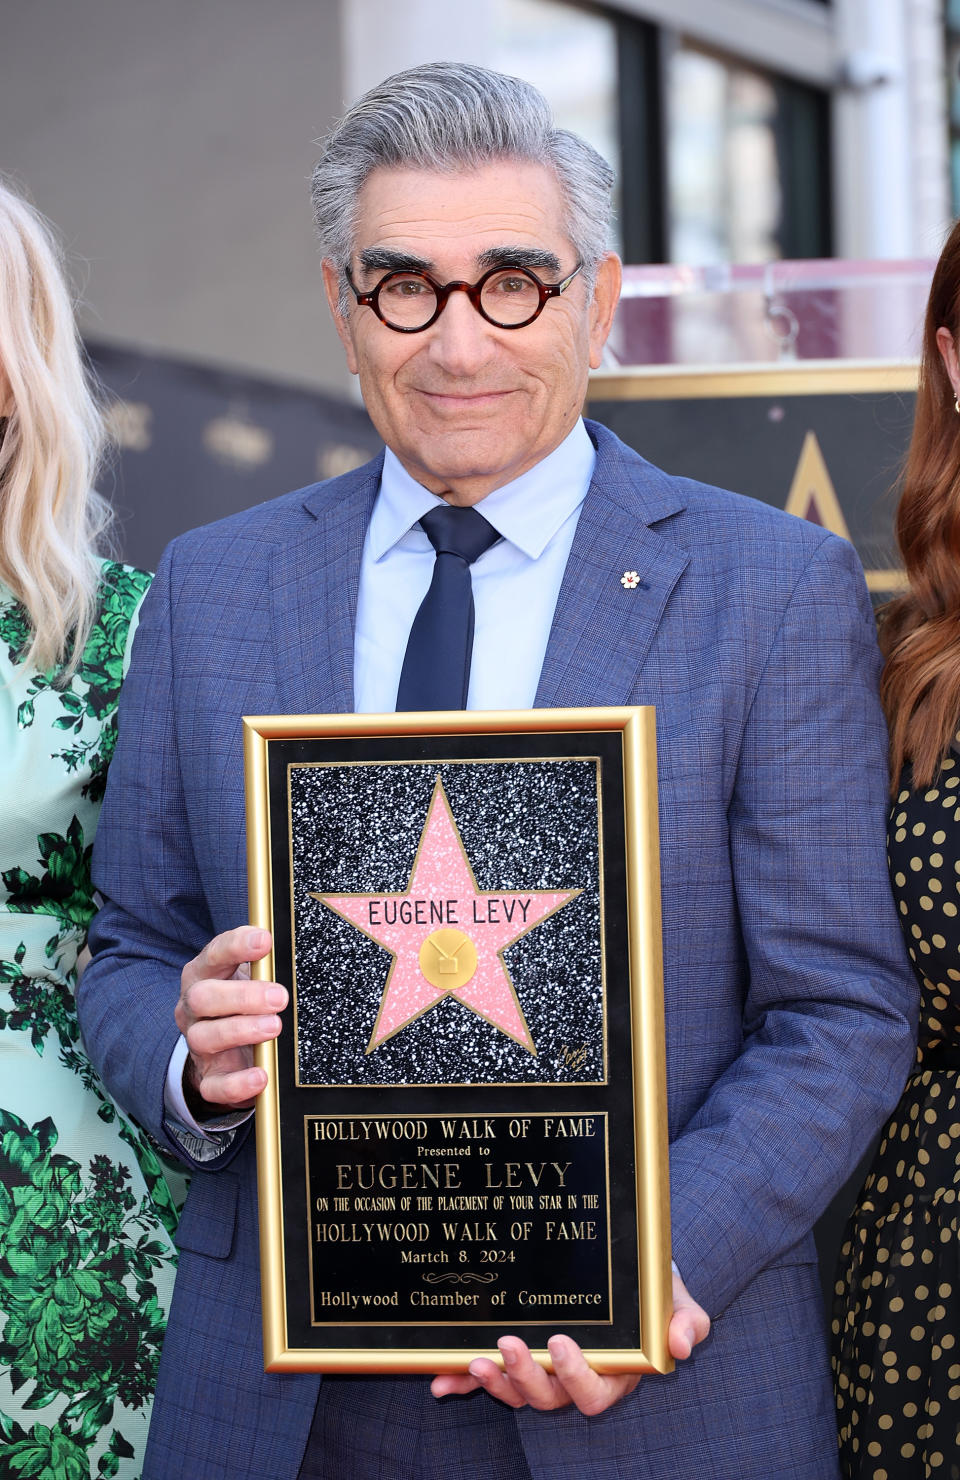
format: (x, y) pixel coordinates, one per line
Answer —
(527, 512)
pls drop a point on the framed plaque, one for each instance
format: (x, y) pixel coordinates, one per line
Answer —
(464, 1129)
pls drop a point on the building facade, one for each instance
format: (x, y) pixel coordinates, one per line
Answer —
(172, 145)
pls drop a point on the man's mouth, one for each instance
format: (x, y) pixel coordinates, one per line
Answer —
(464, 399)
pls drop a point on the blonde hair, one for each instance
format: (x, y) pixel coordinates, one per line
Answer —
(51, 519)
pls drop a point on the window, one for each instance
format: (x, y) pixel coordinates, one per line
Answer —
(747, 162)
(953, 75)
(716, 160)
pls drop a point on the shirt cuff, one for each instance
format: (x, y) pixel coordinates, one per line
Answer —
(202, 1140)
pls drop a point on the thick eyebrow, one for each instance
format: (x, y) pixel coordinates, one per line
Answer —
(518, 257)
(388, 259)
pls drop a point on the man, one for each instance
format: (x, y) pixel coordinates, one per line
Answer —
(467, 272)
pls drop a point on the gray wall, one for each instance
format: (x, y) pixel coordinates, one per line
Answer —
(172, 143)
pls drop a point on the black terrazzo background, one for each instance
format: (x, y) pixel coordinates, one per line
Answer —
(524, 825)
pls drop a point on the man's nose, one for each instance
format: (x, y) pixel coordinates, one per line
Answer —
(461, 340)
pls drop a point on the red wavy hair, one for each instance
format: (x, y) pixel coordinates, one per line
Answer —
(920, 630)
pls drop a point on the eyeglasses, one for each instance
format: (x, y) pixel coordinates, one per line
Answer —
(507, 297)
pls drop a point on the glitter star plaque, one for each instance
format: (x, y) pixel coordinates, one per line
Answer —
(464, 1131)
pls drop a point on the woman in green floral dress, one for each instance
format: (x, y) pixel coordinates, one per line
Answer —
(86, 1217)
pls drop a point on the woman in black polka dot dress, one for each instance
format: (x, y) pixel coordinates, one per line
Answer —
(896, 1319)
(896, 1334)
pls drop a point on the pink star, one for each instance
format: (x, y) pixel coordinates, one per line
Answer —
(441, 926)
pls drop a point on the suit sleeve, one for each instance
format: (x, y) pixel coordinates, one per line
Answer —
(830, 1010)
(154, 915)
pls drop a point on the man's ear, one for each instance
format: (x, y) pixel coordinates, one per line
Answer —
(331, 286)
(606, 295)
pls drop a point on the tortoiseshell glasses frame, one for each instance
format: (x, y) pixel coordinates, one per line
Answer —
(515, 282)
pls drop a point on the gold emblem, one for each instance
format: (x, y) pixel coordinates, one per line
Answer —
(448, 959)
(813, 497)
(812, 494)
(236, 441)
(129, 425)
(339, 458)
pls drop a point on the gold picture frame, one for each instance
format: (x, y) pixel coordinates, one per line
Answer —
(345, 802)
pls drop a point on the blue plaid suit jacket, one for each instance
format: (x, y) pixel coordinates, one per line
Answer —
(789, 1002)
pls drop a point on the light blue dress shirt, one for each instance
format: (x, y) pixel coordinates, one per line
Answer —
(515, 582)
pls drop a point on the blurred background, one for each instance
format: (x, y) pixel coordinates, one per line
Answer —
(172, 147)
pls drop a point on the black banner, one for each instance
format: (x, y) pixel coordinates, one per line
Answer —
(195, 443)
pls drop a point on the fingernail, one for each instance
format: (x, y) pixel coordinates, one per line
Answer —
(268, 1026)
(691, 1336)
(509, 1355)
(276, 996)
(257, 939)
(475, 1371)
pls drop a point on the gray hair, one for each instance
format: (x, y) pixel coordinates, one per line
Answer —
(449, 116)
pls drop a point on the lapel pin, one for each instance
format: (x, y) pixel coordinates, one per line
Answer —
(630, 580)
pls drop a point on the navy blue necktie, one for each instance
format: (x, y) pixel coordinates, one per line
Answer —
(436, 665)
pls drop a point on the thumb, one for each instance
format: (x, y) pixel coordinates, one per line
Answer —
(689, 1324)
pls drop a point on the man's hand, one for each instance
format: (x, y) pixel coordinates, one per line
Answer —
(222, 1014)
(524, 1382)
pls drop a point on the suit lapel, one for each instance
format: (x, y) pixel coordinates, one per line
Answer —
(602, 631)
(315, 579)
